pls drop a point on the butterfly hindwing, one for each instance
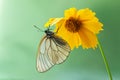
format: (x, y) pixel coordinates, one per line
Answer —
(63, 49)
(51, 51)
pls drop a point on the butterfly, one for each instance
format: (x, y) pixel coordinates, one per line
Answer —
(52, 50)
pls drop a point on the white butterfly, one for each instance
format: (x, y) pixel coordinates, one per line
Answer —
(52, 50)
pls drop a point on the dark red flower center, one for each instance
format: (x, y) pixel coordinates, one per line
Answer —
(73, 25)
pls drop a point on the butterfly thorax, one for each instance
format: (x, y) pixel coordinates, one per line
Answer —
(49, 33)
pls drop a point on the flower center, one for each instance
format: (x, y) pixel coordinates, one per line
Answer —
(73, 25)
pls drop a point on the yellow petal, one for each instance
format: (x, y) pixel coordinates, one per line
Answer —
(70, 13)
(85, 14)
(93, 25)
(59, 25)
(61, 29)
(52, 21)
(73, 40)
(76, 40)
(88, 39)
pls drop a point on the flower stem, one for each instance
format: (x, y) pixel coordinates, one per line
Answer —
(105, 61)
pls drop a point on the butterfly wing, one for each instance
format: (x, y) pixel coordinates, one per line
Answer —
(51, 51)
(43, 60)
(63, 49)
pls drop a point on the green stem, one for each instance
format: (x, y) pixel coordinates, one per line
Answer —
(105, 61)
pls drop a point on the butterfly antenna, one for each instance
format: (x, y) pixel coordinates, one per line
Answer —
(38, 28)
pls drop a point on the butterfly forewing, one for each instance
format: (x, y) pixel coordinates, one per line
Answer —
(52, 50)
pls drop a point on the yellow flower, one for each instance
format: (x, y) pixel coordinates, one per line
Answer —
(78, 27)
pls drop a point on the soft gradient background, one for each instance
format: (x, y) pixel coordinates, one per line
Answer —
(19, 40)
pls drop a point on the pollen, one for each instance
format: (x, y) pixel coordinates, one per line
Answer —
(73, 25)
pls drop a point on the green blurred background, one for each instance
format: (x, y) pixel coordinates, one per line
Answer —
(19, 40)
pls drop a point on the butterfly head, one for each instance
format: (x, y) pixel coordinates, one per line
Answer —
(49, 33)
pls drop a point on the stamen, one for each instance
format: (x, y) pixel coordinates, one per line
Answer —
(73, 25)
